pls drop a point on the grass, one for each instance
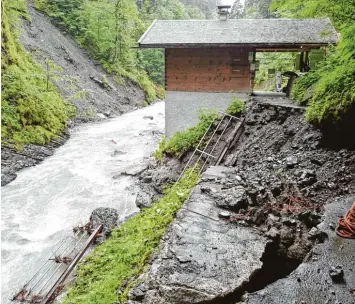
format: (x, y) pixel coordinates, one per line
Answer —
(102, 276)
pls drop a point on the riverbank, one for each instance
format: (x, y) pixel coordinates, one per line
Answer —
(275, 185)
(91, 170)
(95, 94)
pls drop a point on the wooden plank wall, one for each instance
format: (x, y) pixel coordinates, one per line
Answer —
(207, 70)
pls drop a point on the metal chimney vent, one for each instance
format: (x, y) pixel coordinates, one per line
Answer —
(223, 11)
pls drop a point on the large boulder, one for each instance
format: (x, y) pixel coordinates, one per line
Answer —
(202, 257)
(107, 217)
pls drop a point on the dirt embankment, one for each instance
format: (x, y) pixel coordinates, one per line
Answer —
(274, 184)
(82, 82)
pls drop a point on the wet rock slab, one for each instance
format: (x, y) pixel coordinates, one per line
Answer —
(202, 257)
(312, 281)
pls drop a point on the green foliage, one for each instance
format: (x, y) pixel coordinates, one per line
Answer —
(109, 30)
(340, 12)
(333, 83)
(281, 62)
(101, 277)
(303, 85)
(32, 109)
(183, 141)
(235, 107)
(256, 9)
(158, 153)
(153, 64)
(334, 92)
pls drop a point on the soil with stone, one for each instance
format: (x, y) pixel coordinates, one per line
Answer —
(276, 180)
(95, 94)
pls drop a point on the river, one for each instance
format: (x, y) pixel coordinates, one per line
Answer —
(45, 202)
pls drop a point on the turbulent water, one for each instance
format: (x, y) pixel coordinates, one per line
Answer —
(45, 202)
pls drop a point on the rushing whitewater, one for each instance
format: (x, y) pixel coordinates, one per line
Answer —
(45, 202)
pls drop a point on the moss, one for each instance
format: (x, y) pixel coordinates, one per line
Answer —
(101, 277)
(32, 109)
(158, 153)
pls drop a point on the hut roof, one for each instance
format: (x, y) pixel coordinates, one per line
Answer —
(237, 32)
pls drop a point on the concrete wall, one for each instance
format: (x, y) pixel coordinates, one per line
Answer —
(182, 108)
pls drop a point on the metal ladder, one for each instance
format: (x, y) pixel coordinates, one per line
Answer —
(204, 146)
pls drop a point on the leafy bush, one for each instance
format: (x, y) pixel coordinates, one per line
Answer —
(183, 141)
(32, 109)
(124, 256)
(236, 106)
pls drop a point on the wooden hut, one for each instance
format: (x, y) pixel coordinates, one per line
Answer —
(206, 60)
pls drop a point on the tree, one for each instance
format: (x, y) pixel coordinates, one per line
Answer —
(237, 10)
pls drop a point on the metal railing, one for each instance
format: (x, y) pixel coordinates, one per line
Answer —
(49, 279)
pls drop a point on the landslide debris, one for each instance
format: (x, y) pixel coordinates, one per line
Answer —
(280, 177)
(201, 258)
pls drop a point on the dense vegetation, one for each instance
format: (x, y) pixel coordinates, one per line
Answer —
(332, 86)
(32, 109)
(101, 278)
(109, 29)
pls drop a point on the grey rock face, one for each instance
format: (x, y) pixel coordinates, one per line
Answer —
(326, 277)
(7, 176)
(143, 200)
(233, 199)
(202, 257)
(108, 217)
